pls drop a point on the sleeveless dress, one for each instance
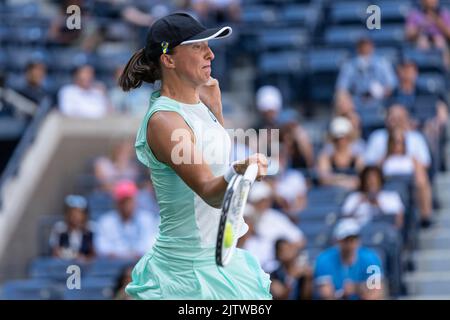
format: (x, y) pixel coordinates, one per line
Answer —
(181, 264)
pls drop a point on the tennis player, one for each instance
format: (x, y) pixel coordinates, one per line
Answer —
(181, 264)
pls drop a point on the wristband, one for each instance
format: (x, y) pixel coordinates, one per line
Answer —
(230, 173)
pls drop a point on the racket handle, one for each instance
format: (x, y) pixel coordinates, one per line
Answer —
(251, 172)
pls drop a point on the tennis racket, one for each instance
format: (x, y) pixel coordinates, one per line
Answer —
(232, 219)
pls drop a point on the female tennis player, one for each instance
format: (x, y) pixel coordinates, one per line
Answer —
(181, 264)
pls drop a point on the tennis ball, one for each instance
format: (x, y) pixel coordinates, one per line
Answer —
(228, 235)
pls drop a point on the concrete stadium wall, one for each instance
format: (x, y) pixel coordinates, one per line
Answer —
(48, 172)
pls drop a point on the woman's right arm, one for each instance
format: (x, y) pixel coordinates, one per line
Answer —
(172, 142)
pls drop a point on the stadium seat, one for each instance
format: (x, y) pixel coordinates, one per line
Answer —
(325, 212)
(317, 233)
(54, 268)
(300, 14)
(426, 60)
(19, 57)
(283, 38)
(286, 62)
(323, 67)
(349, 12)
(393, 11)
(259, 15)
(424, 108)
(45, 226)
(92, 289)
(389, 35)
(387, 238)
(333, 195)
(432, 82)
(30, 289)
(389, 53)
(372, 118)
(99, 202)
(61, 63)
(108, 268)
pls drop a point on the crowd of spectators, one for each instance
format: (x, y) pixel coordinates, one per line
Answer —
(349, 157)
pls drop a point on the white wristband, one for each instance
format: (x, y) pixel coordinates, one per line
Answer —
(230, 173)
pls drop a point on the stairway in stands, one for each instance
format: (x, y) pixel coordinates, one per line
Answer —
(431, 279)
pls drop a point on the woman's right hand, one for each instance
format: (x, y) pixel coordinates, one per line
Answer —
(259, 159)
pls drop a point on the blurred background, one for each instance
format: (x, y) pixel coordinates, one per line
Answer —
(363, 152)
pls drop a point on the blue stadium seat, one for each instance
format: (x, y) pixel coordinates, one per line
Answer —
(300, 14)
(343, 36)
(30, 289)
(323, 66)
(259, 15)
(108, 268)
(45, 226)
(372, 118)
(424, 108)
(53, 268)
(61, 63)
(109, 61)
(19, 57)
(393, 11)
(389, 35)
(285, 62)
(100, 201)
(426, 60)
(283, 38)
(326, 59)
(327, 214)
(22, 10)
(350, 12)
(92, 289)
(347, 36)
(432, 82)
(28, 35)
(389, 53)
(387, 238)
(317, 233)
(332, 195)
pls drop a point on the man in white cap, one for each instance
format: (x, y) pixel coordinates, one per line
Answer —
(269, 103)
(347, 270)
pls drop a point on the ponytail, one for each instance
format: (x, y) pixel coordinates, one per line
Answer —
(138, 70)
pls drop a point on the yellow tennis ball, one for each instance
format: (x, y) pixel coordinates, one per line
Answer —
(228, 235)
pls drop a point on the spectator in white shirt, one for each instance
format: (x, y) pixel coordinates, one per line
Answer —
(416, 145)
(370, 200)
(84, 98)
(397, 162)
(125, 233)
(271, 224)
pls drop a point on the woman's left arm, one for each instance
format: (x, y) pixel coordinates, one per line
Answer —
(211, 96)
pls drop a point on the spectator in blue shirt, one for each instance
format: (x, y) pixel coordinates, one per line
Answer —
(367, 78)
(348, 271)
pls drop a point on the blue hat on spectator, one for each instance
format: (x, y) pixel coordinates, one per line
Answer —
(75, 201)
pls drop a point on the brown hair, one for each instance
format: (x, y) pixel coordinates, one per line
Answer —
(139, 69)
(363, 175)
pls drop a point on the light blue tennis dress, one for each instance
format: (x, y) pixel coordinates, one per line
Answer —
(181, 264)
